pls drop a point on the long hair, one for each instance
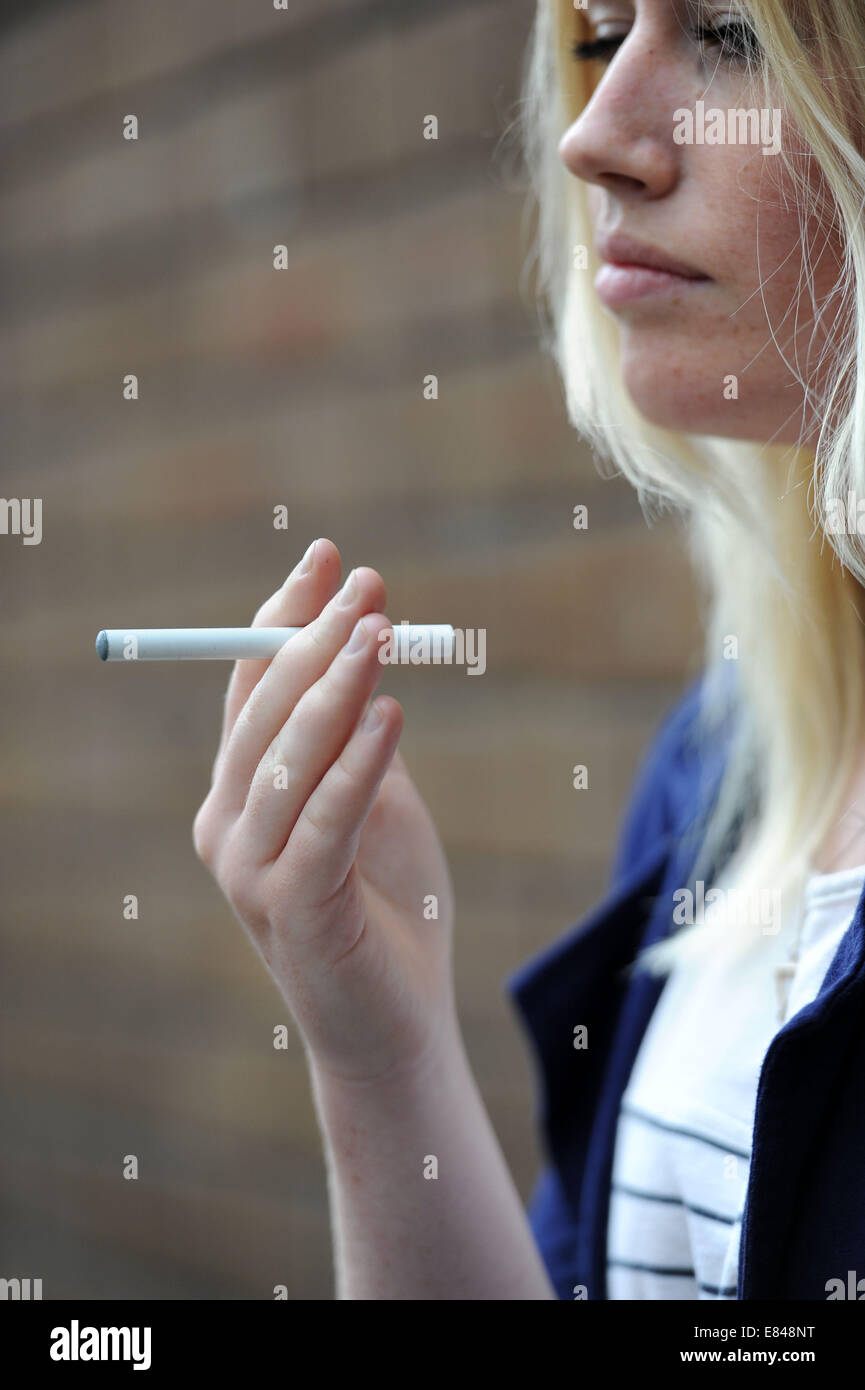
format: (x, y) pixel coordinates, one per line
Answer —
(779, 583)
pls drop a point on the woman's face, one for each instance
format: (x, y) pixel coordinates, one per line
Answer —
(714, 355)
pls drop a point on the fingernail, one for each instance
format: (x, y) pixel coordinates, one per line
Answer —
(348, 591)
(357, 639)
(305, 565)
(372, 718)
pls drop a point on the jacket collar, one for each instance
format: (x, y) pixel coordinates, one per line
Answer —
(581, 979)
(794, 1109)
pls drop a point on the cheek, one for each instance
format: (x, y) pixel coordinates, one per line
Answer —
(779, 256)
(678, 359)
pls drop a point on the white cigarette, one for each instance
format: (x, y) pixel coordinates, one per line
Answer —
(234, 643)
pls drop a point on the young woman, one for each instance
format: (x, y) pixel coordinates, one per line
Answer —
(700, 1037)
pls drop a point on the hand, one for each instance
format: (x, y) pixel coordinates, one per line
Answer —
(319, 840)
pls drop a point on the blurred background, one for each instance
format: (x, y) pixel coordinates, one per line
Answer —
(259, 388)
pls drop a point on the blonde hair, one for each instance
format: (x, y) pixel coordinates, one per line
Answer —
(794, 711)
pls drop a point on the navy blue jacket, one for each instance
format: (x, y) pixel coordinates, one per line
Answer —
(804, 1218)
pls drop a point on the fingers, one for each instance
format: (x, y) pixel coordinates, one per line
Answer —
(315, 734)
(324, 841)
(299, 600)
(294, 669)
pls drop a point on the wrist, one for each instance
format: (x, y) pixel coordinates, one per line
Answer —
(444, 1057)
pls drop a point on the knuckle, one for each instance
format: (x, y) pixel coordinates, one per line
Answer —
(244, 724)
(329, 686)
(346, 777)
(203, 837)
(318, 820)
(321, 815)
(241, 893)
(274, 775)
(239, 882)
(228, 859)
(320, 636)
(305, 718)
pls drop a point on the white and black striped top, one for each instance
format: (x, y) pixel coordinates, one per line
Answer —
(683, 1140)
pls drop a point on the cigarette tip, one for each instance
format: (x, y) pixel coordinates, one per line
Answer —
(102, 645)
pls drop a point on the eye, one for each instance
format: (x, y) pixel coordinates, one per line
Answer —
(737, 41)
(596, 50)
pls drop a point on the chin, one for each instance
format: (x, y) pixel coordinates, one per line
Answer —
(674, 391)
(671, 397)
(674, 397)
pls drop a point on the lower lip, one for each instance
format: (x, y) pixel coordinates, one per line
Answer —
(621, 284)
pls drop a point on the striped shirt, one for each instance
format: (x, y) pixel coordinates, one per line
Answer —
(683, 1139)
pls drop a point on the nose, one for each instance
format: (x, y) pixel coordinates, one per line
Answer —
(623, 138)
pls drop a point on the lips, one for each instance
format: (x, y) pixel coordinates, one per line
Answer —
(622, 250)
(635, 273)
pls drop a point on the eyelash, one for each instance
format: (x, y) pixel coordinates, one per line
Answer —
(737, 42)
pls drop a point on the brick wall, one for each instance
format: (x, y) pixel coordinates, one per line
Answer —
(257, 388)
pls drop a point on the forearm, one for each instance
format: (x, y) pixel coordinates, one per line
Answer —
(399, 1234)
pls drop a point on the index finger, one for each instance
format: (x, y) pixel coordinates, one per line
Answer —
(298, 602)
